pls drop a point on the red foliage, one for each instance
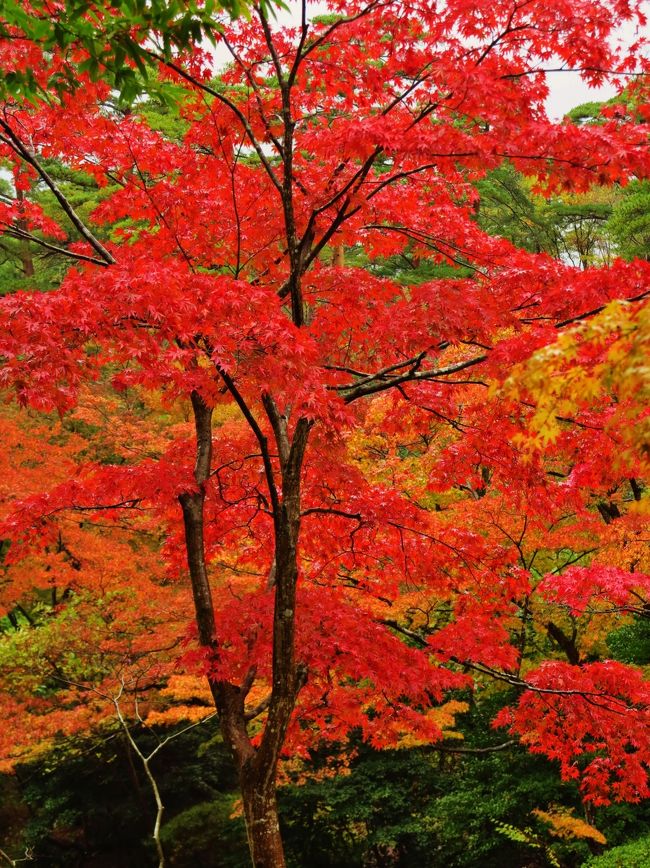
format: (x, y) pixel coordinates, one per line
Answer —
(420, 516)
(594, 720)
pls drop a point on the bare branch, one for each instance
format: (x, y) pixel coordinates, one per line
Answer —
(473, 750)
(258, 709)
(10, 138)
(21, 234)
(380, 383)
(328, 510)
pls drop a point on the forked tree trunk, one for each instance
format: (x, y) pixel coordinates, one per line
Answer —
(257, 767)
(257, 776)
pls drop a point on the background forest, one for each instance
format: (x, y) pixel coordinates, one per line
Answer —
(470, 682)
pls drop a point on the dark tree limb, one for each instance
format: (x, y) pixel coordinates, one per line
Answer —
(13, 141)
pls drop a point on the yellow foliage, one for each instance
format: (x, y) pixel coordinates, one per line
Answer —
(559, 382)
(178, 713)
(564, 825)
(444, 717)
(184, 688)
(296, 771)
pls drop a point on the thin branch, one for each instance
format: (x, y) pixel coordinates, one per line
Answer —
(574, 69)
(159, 213)
(344, 370)
(256, 91)
(131, 503)
(258, 709)
(268, 37)
(259, 435)
(323, 510)
(514, 681)
(279, 425)
(413, 363)
(358, 177)
(145, 759)
(473, 750)
(431, 241)
(304, 29)
(21, 234)
(241, 117)
(355, 391)
(596, 310)
(12, 140)
(375, 4)
(28, 857)
(410, 634)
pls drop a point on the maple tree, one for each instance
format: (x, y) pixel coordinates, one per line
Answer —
(365, 527)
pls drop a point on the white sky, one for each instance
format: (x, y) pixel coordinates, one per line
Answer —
(567, 90)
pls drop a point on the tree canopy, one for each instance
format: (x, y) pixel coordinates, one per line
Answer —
(259, 472)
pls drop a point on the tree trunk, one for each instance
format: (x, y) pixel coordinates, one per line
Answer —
(262, 823)
(257, 775)
(192, 504)
(257, 768)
